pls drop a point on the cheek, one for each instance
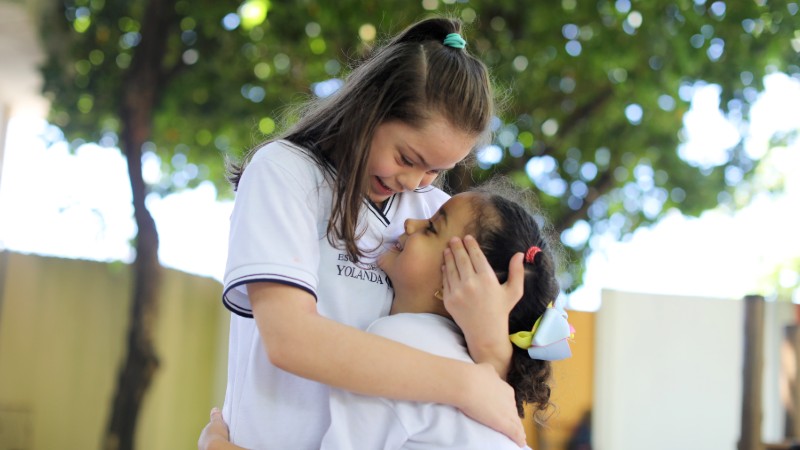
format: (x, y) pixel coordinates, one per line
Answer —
(427, 180)
(381, 164)
(422, 277)
(384, 260)
(436, 278)
(429, 268)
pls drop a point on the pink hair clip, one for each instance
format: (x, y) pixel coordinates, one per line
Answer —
(531, 253)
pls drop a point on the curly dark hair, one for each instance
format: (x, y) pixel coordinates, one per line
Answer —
(504, 226)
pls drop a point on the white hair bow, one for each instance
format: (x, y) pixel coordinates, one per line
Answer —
(549, 338)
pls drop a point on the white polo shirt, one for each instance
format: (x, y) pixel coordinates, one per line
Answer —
(278, 234)
(362, 422)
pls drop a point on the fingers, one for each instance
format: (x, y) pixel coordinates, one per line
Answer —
(515, 430)
(461, 259)
(445, 281)
(468, 256)
(498, 410)
(216, 413)
(450, 269)
(476, 257)
(215, 431)
(517, 433)
(515, 283)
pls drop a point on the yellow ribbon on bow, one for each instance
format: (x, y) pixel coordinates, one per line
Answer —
(523, 339)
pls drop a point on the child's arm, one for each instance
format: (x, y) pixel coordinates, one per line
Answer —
(306, 344)
(479, 304)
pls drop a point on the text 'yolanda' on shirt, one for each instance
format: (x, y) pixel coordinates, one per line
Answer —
(366, 272)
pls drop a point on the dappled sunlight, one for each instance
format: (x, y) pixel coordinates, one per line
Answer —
(78, 205)
(709, 135)
(63, 204)
(722, 254)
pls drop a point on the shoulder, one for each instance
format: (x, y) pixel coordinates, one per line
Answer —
(428, 332)
(283, 161)
(283, 153)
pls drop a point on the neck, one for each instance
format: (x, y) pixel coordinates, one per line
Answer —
(417, 305)
(379, 205)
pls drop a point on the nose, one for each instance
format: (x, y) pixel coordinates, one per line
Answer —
(415, 179)
(413, 225)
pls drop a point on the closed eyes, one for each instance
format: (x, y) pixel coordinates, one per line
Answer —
(408, 163)
(431, 227)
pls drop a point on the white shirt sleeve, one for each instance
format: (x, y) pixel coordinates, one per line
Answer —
(275, 225)
(359, 422)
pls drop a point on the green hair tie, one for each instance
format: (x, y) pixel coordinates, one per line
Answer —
(454, 40)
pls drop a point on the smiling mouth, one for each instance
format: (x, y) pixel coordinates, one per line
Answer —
(396, 246)
(387, 189)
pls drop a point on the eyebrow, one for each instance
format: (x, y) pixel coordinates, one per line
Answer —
(421, 158)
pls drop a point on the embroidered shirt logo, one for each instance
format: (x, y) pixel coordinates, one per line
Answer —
(367, 272)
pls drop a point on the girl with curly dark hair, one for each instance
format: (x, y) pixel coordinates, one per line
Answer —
(502, 227)
(422, 268)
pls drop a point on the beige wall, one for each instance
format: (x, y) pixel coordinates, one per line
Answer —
(63, 325)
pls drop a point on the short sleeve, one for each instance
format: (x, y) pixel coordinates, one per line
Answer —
(275, 225)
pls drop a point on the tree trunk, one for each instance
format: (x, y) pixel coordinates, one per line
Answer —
(140, 96)
(141, 362)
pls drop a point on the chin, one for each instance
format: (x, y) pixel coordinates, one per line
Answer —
(380, 262)
(378, 199)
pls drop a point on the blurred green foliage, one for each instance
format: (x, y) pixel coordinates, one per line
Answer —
(595, 91)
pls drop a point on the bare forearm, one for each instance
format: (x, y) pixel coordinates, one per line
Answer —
(497, 354)
(351, 359)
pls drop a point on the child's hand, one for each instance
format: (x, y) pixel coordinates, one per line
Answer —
(492, 403)
(214, 433)
(479, 304)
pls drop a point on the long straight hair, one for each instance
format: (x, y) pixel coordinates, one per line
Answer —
(411, 78)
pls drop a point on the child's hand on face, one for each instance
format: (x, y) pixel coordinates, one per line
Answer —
(477, 301)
